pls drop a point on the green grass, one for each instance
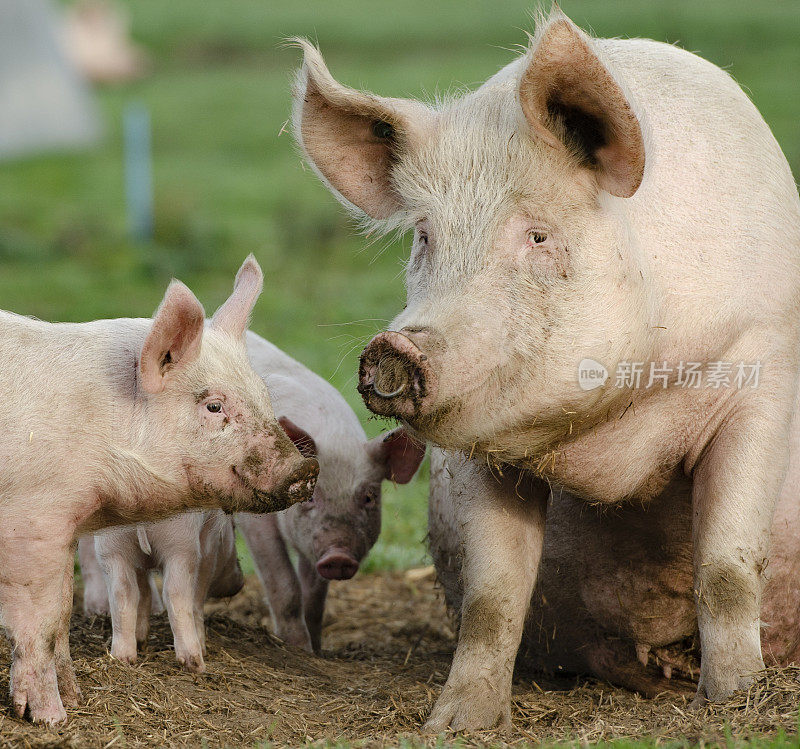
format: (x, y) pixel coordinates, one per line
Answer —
(228, 183)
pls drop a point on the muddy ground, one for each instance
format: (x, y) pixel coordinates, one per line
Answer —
(387, 646)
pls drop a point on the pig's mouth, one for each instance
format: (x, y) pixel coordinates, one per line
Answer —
(298, 486)
(396, 378)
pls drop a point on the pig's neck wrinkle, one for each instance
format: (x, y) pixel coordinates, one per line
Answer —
(136, 490)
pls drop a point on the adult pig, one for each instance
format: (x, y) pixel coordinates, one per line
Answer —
(619, 201)
(119, 421)
(334, 531)
(196, 555)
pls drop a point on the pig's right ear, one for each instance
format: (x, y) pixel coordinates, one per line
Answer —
(399, 454)
(351, 138)
(174, 338)
(303, 441)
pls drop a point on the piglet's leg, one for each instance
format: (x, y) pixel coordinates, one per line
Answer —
(95, 594)
(67, 683)
(32, 588)
(315, 591)
(123, 596)
(145, 605)
(736, 485)
(180, 581)
(277, 575)
(501, 522)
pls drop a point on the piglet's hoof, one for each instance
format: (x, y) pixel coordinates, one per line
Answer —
(192, 663)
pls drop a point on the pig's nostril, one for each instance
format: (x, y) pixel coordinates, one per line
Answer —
(391, 377)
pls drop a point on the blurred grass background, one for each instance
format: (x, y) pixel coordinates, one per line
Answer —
(228, 180)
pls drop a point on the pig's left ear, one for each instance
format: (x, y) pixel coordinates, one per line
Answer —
(571, 100)
(174, 338)
(399, 453)
(352, 138)
(234, 315)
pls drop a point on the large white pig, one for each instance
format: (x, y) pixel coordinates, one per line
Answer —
(119, 421)
(620, 202)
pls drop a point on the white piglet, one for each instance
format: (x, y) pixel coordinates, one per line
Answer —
(333, 531)
(196, 555)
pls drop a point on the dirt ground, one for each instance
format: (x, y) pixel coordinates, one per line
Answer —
(387, 646)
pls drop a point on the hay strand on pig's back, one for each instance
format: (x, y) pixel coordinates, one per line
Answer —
(388, 647)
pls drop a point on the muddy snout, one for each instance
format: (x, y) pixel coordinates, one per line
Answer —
(298, 486)
(395, 378)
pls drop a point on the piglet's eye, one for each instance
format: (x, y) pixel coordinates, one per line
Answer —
(215, 407)
(423, 238)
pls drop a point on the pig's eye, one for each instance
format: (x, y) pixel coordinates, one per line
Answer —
(423, 239)
(536, 236)
(369, 499)
(382, 130)
(215, 407)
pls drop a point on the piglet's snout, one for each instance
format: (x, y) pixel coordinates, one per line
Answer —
(395, 376)
(337, 564)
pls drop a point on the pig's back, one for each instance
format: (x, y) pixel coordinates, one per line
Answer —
(69, 384)
(717, 215)
(302, 395)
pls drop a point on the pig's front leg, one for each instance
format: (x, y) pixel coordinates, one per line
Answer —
(736, 485)
(501, 527)
(32, 598)
(278, 577)
(315, 591)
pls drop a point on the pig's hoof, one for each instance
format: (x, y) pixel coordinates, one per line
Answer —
(124, 656)
(458, 711)
(192, 663)
(43, 704)
(68, 688)
(718, 681)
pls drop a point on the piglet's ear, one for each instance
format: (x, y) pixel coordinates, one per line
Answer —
(174, 338)
(303, 441)
(570, 99)
(399, 453)
(234, 315)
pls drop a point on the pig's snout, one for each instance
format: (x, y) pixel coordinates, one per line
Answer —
(298, 486)
(337, 564)
(395, 377)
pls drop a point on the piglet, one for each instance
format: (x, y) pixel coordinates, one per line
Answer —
(334, 531)
(115, 422)
(196, 555)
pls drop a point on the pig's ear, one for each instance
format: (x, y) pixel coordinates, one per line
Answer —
(234, 315)
(399, 454)
(174, 338)
(303, 441)
(351, 138)
(571, 100)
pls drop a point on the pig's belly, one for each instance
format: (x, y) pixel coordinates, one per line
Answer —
(622, 572)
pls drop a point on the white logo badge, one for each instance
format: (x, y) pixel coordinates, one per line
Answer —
(591, 374)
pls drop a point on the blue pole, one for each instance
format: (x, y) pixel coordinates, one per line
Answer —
(138, 172)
